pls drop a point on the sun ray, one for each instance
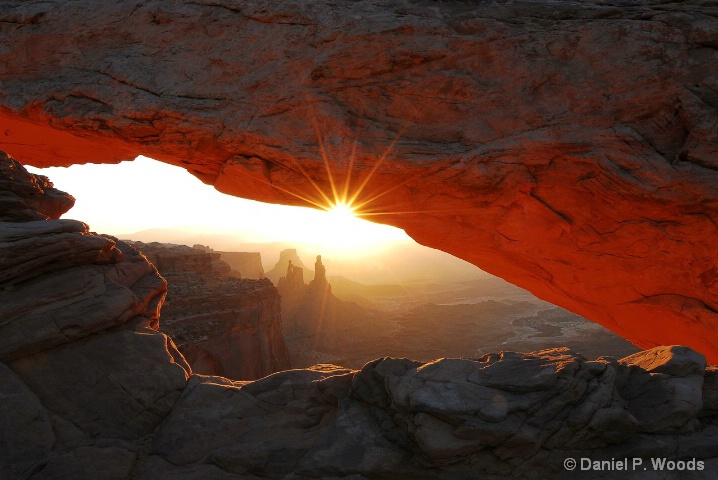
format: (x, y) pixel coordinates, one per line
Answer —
(325, 158)
(344, 199)
(296, 195)
(375, 168)
(404, 212)
(343, 209)
(313, 183)
(347, 180)
(361, 205)
(301, 197)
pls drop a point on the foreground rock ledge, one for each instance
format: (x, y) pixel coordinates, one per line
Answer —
(568, 147)
(93, 391)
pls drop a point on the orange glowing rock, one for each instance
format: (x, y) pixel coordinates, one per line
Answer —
(568, 148)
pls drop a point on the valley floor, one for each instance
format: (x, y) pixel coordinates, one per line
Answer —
(461, 319)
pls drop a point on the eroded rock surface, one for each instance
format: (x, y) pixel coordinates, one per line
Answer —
(25, 197)
(84, 375)
(53, 276)
(568, 147)
(510, 415)
(222, 324)
(116, 400)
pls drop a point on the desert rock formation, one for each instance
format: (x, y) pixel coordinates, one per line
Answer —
(112, 398)
(507, 415)
(223, 325)
(286, 257)
(25, 197)
(243, 264)
(182, 259)
(568, 147)
(315, 321)
(248, 264)
(84, 375)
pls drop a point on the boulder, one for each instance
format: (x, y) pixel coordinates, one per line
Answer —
(664, 388)
(118, 384)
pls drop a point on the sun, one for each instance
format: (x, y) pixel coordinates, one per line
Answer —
(342, 210)
(341, 231)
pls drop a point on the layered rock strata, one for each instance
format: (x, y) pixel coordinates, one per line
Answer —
(117, 401)
(25, 197)
(223, 325)
(84, 375)
(568, 147)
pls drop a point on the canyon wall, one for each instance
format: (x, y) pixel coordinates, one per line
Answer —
(248, 264)
(94, 391)
(568, 147)
(223, 325)
(84, 375)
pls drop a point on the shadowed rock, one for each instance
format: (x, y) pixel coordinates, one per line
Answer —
(55, 273)
(509, 414)
(223, 325)
(25, 197)
(84, 377)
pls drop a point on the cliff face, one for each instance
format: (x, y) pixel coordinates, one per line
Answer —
(82, 368)
(248, 264)
(568, 147)
(182, 259)
(222, 325)
(94, 392)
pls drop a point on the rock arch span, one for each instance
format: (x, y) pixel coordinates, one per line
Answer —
(569, 148)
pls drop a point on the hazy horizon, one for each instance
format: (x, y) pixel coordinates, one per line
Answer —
(394, 262)
(167, 204)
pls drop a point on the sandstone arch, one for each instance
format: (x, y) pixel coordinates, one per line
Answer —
(570, 148)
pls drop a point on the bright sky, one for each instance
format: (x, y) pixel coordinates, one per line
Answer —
(146, 194)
